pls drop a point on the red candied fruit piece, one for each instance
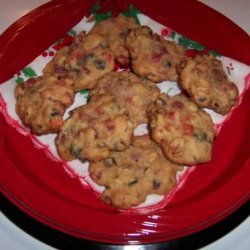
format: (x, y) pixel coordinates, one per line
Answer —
(177, 104)
(188, 129)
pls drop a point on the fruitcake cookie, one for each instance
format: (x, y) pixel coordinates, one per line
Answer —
(132, 93)
(184, 131)
(115, 30)
(42, 101)
(207, 84)
(152, 56)
(131, 175)
(85, 60)
(94, 129)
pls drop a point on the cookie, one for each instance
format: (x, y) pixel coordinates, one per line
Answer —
(115, 31)
(184, 132)
(152, 56)
(84, 61)
(95, 129)
(131, 175)
(132, 93)
(205, 80)
(42, 101)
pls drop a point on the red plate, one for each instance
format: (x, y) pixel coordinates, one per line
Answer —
(42, 189)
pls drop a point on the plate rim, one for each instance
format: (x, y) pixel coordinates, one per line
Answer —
(24, 206)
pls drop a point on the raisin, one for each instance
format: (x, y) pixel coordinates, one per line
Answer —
(54, 113)
(100, 64)
(156, 184)
(167, 64)
(133, 182)
(89, 57)
(76, 151)
(39, 126)
(160, 102)
(110, 162)
(202, 99)
(201, 136)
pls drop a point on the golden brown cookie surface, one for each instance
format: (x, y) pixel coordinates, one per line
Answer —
(152, 56)
(184, 131)
(206, 82)
(56, 66)
(42, 101)
(85, 60)
(115, 31)
(94, 130)
(132, 93)
(131, 175)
